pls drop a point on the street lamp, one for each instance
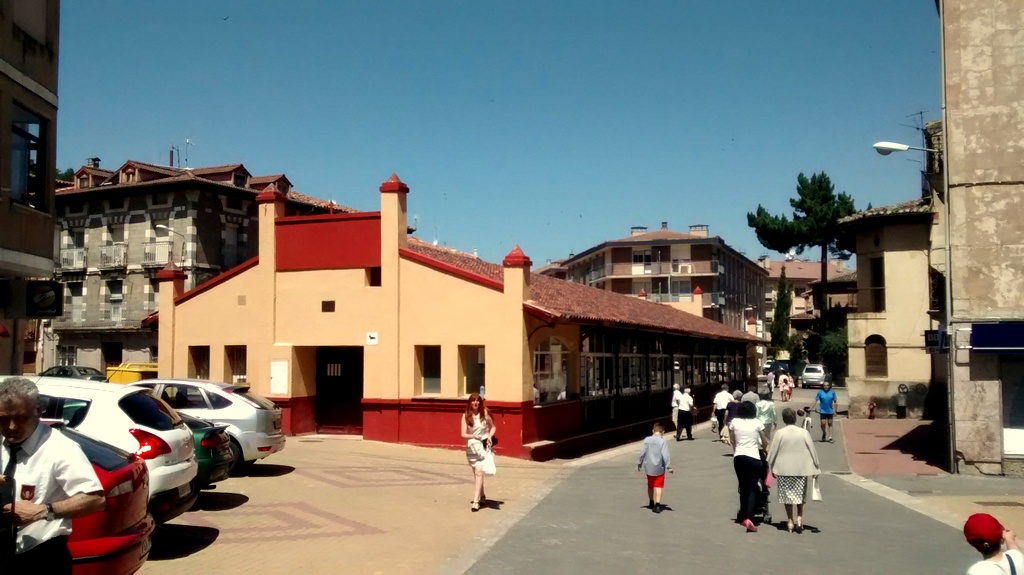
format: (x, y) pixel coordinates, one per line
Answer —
(886, 148)
(181, 259)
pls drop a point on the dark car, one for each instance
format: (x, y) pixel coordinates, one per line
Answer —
(213, 450)
(116, 539)
(776, 366)
(75, 372)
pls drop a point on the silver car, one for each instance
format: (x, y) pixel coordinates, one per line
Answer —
(253, 421)
(814, 375)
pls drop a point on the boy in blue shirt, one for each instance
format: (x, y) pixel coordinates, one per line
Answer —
(826, 398)
(655, 461)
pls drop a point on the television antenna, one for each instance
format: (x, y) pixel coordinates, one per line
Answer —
(188, 143)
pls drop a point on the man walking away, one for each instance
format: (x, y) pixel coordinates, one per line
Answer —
(721, 401)
(47, 481)
(751, 395)
(677, 398)
(771, 384)
(685, 415)
(654, 461)
(826, 398)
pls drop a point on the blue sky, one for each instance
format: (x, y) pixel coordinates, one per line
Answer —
(549, 124)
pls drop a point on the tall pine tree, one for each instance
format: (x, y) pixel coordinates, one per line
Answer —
(816, 212)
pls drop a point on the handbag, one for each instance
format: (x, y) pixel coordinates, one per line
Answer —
(488, 466)
(815, 490)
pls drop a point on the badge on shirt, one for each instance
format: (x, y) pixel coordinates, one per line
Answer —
(28, 492)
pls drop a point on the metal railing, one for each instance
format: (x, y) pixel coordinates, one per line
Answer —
(73, 314)
(673, 268)
(114, 256)
(157, 253)
(669, 297)
(72, 259)
(108, 315)
(713, 299)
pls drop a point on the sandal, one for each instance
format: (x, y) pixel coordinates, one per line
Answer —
(475, 506)
(789, 526)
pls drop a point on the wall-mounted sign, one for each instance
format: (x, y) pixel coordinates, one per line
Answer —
(371, 338)
(32, 299)
(936, 340)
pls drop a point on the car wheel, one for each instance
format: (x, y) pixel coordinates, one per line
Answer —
(236, 457)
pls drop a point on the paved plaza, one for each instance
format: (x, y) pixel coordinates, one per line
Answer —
(330, 504)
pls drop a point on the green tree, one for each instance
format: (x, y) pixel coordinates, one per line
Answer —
(66, 175)
(779, 328)
(816, 212)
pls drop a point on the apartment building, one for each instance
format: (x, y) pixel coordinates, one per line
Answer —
(28, 136)
(117, 228)
(693, 271)
(801, 275)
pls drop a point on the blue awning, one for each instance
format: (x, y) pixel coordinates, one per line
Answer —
(1002, 337)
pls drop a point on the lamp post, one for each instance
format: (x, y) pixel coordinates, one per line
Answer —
(886, 148)
(181, 258)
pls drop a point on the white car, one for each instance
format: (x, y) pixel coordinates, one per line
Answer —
(253, 421)
(133, 420)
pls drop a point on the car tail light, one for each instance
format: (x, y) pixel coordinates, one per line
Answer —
(150, 445)
(121, 489)
(212, 441)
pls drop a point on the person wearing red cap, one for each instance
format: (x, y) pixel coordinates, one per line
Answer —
(986, 534)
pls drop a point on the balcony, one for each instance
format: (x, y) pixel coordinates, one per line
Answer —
(713, 299)
(72, 259)
(113, 256)
(669, 297)
(116, 314)
(157, 254)
(74, 315)
(682, 268)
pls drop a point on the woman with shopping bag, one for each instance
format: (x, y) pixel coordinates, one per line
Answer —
(792, 460)
(477, 428)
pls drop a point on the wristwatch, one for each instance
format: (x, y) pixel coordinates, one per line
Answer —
(50, 515)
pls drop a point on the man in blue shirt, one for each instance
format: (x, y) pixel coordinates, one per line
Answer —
(826, 398)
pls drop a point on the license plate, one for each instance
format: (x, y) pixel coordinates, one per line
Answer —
(184, 490)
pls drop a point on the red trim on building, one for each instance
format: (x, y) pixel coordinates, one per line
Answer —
(171, 272)
(217, 280)
(298, 414)
(270, 194)
(328, 241)
(450, 269)
(393, 185)
(516, 258)
(543, 315)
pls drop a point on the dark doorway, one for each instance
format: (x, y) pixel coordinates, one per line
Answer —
(339, 390)
(112, 352)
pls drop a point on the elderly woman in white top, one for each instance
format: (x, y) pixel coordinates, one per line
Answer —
(792, 459)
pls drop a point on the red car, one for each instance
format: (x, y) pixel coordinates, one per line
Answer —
(116, 540)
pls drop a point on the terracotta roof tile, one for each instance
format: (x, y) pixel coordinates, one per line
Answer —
(578, 302)
(918, 206)
(217, 169)
(801, 269)
(255, 180)
(844, 278)
(658, 235)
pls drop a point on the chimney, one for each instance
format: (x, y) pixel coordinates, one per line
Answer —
(637, 231)
(172, 284)
(699, 230)
(514, 362)
(93, 162)
(172, 158)
(664, 225)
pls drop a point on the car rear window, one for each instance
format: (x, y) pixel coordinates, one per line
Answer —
(88, 371)
(255, 399)
(102, 455)
(144, 409)
(810, 369)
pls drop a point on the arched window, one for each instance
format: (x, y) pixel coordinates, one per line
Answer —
(876, 357)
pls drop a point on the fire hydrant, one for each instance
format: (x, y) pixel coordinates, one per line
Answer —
(871, 410)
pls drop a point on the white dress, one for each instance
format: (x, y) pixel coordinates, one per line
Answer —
(474, 447)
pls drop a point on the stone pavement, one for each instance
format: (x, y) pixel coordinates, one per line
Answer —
(329, 504)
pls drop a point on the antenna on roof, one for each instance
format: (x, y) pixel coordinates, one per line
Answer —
(187, 144)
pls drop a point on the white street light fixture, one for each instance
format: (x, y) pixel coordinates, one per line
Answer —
(886, 148)
(181, 259)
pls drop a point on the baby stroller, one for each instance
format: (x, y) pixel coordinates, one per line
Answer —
(762, 510)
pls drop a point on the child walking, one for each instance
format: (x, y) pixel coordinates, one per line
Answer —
(654, 461)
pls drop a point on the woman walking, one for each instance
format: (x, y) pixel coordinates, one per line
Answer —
(478, 429)
(792, 459)
(747, 434)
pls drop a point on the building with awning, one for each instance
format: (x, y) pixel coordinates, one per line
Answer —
(353, 326)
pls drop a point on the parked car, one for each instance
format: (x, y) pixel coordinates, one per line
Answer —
(776, 366)
(814, 375)
(253, 421)
(75, 372)
(213, 450)
(133, 420)
(115, 540)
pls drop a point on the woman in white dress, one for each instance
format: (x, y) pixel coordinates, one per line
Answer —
(792, 459)
(477, 428)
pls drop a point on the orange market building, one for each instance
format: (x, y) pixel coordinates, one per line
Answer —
(352, 326)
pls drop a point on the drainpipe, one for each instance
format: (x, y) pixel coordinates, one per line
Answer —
(948, 284)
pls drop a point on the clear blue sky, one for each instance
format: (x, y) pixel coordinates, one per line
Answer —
(551, 124)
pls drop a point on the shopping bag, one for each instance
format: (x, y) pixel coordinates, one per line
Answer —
(488, 464)
(815, 490)
(769, 481)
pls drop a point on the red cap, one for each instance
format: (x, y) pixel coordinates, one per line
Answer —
(983, 527)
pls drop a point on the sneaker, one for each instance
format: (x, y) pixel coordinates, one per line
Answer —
(650, 504)
(830, 440)
(823, 438)
(657, 507)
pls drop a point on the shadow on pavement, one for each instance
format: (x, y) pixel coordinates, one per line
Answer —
(924, 443)
(214, 501)
(491, 504)
(267, 470)
(177, 541)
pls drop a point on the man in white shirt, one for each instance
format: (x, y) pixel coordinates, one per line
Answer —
(771, 384)
(677, 396)
(63, 485)
(722, 400)
(685, 420)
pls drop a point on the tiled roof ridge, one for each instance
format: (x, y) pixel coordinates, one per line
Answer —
(914, 206)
